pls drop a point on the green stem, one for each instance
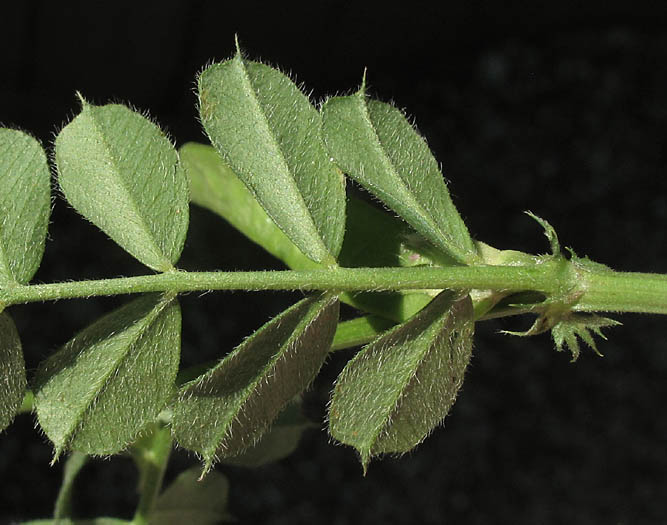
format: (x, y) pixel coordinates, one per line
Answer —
(589, 289)
(151, 454)
(511, 278)
(28, 403)
(608, 291)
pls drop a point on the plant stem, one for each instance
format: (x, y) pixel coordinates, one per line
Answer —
(587, 288)
(340, 279)
(151, 455)
(623, 292)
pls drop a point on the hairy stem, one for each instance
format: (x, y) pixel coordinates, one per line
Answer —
(623, 292)
(585, 288)
(340, 279)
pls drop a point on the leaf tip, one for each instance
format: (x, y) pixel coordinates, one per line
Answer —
(365, 459)
(237, 46)
(362, 88)
(82, 100)
(57, 452)
(208, 466)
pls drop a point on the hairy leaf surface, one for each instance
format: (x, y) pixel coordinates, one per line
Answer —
(24, 206)
(227, 409)
(372, 237)
(375, 239)
(397, 389)
(268, 132)
(12, 371)
(121, 172)
(375, 144)
(108, 382)
(191, 500)
(215, 186)
(278, 442)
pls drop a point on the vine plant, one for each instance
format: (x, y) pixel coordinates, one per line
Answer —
(276, 171)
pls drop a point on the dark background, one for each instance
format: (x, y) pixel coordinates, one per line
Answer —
(558, 108)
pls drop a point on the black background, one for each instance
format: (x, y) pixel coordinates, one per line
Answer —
(554, 107)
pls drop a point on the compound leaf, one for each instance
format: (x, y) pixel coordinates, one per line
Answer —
(397, 389)
(227, 409)
(190, 499)
(12, 371)
(24, 205)
(108, 382)
(375, 144)
(270, 135)
(121, 172)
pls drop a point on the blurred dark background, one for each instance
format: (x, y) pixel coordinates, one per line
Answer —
(560, 108)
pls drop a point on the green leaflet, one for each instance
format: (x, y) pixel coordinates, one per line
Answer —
(354, 332)
(109, 381)
(358, 331)
(12, 371)
(227, 409)
(191, 500)
(24, 206)
(278, 442)
(122, 173)
(372, 237)
(375, 144)
(215, 186)
(268, 132)
(397, 389)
